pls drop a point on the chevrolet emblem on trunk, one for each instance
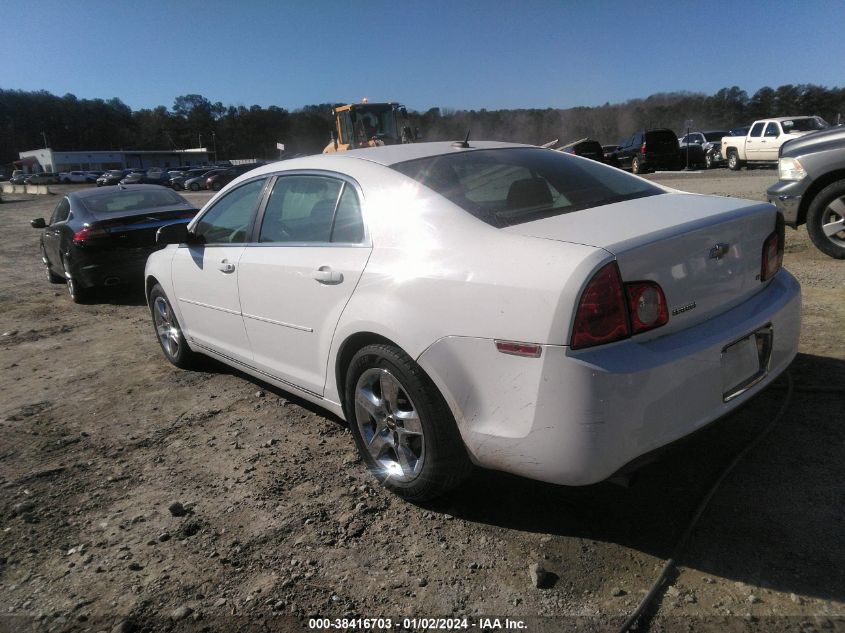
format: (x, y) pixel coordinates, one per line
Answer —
(719, 251)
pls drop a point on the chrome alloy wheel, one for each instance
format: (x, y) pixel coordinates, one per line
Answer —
(389, 424)
(166, 327)
(833, 222)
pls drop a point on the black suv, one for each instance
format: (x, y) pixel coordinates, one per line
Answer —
(646, 151)
(811, 187)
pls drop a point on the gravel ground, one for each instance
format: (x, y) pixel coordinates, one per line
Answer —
(138, 497)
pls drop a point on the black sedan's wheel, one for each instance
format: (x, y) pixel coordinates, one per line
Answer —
(52, 277)
(195, 186)
(708, 161)
(78, 293)
(826, 220)
(168, 332)
(216, 186)
(402, 427)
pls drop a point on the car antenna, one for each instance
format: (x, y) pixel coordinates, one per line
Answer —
(464, 144)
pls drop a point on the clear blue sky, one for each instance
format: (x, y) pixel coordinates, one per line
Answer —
(449, 54)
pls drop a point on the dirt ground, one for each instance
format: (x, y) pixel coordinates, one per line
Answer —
(281, 523)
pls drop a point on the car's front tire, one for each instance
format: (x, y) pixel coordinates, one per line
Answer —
(195, 186)
(826, 220)
(402, 426)
(169, 332)
(52, 277)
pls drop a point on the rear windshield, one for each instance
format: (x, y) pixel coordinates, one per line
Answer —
(127, 201)
(504, 187)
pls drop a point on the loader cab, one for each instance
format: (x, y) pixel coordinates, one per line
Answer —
(369, 125)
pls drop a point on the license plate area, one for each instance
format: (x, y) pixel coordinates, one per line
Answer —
(745, 362)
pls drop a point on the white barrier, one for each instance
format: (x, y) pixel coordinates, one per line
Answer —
(8, 187)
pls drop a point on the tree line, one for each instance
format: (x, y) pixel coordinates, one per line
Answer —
(29, 120)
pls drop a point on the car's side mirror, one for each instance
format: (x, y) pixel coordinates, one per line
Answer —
(38, 223)
(176, 234)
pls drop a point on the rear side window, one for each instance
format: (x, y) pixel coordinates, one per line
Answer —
(504, 187)
(757, 130)
(230, 219)
(772, 130)
(300, 209)
(61, 212)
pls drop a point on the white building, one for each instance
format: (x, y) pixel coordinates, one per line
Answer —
(49, 160)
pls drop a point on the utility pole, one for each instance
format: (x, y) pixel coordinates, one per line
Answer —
(199, 136)
(44, 136)
(214, 144)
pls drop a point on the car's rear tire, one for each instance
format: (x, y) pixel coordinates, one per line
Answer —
(52, 277)
(168, 331)
(78, 293)
(216, 186)
(402, 426)
(826, 220)
(734, 164)
(636, 167)
(195, 186)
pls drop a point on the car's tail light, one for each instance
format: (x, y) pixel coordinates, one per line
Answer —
(772, 256)
(610, 310)
(642, 148)
(88, 233)
(647, 306)
(601, 316)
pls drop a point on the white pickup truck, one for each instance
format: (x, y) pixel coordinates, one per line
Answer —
(764, 139)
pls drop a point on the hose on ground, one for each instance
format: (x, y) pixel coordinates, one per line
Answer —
(679, 546)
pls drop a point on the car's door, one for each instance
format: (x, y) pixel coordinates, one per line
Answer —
(295, 281)
(769, 142)
(205, 274)
(52, 236)
(753, 142)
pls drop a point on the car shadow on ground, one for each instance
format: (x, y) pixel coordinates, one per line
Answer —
(129, 295)
(775, 522)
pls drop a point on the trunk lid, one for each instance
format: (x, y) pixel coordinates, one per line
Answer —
(704, 251)
(139, 229)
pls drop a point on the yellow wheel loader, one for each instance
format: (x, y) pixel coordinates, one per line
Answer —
(367, 124)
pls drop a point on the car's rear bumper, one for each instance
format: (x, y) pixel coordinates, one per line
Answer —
(110, 267)
(577, 417)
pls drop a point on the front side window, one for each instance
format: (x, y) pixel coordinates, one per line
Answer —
(511, 186)
(229, 221)
(757, 130)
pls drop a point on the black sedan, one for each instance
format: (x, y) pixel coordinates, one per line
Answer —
(102, 237)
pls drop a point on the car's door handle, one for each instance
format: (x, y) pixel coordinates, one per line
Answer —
(226, 266)
(325, 275)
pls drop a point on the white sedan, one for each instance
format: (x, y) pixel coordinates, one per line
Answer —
(485, 303)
